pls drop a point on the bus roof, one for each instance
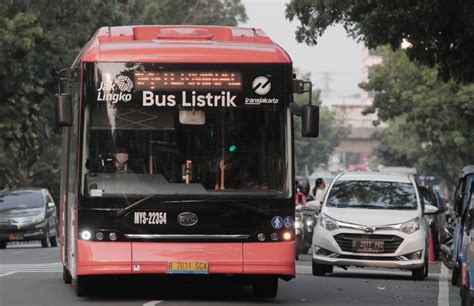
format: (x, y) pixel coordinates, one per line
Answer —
(182, 44)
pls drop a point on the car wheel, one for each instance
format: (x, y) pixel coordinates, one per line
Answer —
(54, 239)
(320, 270)
(455, 275)
(466, 298)
(67, 278)
(266, 288)
(3, 244)
(420, 273)
(45, 243)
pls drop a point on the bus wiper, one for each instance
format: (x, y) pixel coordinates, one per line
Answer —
(130, 207)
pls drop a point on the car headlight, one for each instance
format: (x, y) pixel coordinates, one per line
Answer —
(39, 218)
(411, 226)
(329, 223)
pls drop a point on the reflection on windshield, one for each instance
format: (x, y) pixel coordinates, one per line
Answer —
(152, 152)
(372, 194)
(21, 199)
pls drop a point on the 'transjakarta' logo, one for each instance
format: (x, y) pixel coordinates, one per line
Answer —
(108, 89)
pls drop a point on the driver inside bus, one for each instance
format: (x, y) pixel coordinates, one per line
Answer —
(122, 163)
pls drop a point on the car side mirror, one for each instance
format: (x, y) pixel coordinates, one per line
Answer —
(51, 205)
(430, 209)
(63, 109)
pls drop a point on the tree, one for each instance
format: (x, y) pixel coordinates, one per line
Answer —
(312, 152)
(431, 121)
(37, 39)
(440, 31)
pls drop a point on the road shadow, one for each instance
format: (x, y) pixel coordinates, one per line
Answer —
(171, 289)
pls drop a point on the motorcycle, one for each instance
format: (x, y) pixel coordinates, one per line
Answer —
(299, 231)
(446, 239)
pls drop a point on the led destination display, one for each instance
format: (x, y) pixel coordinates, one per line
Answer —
(177, 80)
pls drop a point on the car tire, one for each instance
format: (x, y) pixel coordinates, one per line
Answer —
(45, 242)
(53, 240)
(466, 298)
(67, 278)
(320, 270)
(455, 276)
(265, 288)
(3, 244)
(420, 273)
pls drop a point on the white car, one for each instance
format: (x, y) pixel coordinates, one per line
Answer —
(372, 219)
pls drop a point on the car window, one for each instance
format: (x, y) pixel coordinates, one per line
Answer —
(372, 194)
(21, 199)
(427, 196)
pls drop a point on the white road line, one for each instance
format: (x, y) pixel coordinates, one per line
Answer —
(44, 267)
(443, 292)
(152, 303)
(6, 274)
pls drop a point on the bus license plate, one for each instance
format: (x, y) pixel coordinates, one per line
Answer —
(187, 267)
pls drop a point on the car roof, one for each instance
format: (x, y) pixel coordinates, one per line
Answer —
(375, 176)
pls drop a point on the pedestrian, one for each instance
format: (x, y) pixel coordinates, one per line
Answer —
(319, 190)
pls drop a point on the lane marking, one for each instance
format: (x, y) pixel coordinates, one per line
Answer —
(443, 292)
(42, 267)
(152, 303)
(6, 274)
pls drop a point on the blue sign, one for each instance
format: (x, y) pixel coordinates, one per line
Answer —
(288, 222)
(277, 222)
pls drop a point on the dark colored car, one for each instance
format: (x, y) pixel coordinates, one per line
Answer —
(28, 214)
(430, 196)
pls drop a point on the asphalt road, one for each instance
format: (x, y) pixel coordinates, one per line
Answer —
(31, 275)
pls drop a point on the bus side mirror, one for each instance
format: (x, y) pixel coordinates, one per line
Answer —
(63, 109)
(310, 121)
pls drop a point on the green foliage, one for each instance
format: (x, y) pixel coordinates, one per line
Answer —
(312, 152)
(441, 31)
(431, 121)
(40, 37)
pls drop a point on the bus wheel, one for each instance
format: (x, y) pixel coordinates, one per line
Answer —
(67, 278)
(265, 288)
(3, 244)
(80, 286)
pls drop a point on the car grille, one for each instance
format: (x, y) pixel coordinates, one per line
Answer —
(391, 242)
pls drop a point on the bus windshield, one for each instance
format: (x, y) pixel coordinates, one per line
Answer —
(150, 140)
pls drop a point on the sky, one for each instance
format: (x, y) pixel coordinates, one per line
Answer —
(335, 53)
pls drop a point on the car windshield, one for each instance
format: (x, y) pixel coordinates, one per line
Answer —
(21, 199)
(372, 195)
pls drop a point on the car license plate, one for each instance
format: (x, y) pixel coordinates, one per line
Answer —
(368, 246)
(15, 237)
(188, 267)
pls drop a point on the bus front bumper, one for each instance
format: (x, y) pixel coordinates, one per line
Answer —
(252, 258)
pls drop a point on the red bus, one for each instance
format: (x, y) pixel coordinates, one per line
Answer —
(178, 156)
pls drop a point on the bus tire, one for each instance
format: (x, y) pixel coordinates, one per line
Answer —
(67, 278)
(3, 244)
(267, 288)
(80, 286)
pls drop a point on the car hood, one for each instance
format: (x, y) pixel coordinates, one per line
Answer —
(20, 212)
(370, 217)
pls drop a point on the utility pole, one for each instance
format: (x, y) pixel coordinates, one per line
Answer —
(326, 81)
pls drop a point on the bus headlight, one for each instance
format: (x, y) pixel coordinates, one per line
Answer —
(86, 235)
